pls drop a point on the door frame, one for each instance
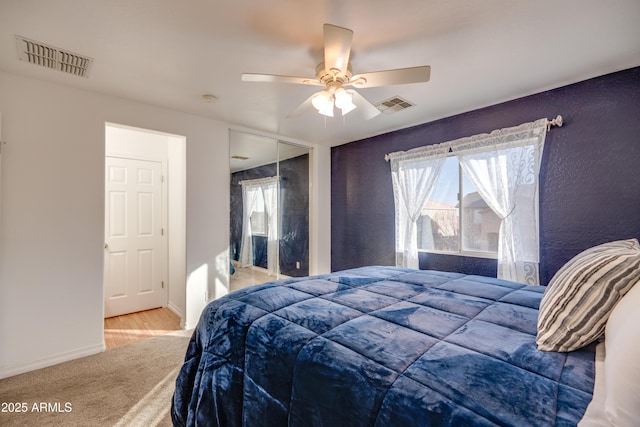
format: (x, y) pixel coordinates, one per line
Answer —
(129, 142)
(174, 195)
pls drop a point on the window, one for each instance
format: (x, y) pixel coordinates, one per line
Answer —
(445, 227)
(259, 217)
(504, 166)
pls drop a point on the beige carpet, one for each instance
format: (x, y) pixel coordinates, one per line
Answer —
(127, 386)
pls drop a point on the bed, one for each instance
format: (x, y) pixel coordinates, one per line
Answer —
(380, 346)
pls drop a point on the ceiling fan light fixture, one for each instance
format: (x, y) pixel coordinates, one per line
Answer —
(323, 102)
(348, 108)
(344, 101)
(327, 110)
(320, 99)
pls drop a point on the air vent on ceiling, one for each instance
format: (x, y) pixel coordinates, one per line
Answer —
(393, 105)
(239, 157)
(52, 57)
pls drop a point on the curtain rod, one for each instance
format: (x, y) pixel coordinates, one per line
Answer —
(558, 121)
(260, 180)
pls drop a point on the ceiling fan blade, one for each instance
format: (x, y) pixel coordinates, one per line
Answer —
(337, 47)
(306, 105)
(270, 78)
(364, 108)
(392, 77)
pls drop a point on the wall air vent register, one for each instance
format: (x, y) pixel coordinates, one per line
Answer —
(53, 57)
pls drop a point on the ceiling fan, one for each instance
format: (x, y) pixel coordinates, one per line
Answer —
(335, 74)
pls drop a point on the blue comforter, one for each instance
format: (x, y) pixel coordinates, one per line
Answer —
(379, 346)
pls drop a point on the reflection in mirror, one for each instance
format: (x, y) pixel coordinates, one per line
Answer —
(269, 235)
(293, 168)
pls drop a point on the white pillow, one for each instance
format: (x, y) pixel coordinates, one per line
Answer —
(595, 415)
(622, 362)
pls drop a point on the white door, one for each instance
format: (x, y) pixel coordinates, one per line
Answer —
(133, 236)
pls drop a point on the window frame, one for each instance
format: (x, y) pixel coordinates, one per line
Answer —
(461, 251)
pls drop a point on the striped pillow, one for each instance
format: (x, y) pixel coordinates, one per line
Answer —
(577, 303)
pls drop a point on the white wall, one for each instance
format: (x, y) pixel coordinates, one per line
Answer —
(52, 219)
(52, 216)
(320, 211)
(177, 223)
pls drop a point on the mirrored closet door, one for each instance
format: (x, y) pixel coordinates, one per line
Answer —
(269, 235)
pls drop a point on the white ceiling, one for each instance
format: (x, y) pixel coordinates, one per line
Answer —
(169, 53)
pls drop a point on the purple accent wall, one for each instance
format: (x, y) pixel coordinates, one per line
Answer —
(589, 183)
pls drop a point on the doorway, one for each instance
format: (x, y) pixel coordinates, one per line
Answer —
(145, 215)
(135, 327)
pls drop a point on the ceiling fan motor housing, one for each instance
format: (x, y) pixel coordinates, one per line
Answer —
(333, 74)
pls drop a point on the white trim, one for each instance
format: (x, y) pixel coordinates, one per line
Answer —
(275, 136)
(190, 325)
(177, 312)
(140, 129)
(319, 213)
(1, 144)
(259, 269)
(468, 254)
(172, 155)
(21, 368)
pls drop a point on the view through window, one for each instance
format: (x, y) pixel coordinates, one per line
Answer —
(259, 217)
(453, 224)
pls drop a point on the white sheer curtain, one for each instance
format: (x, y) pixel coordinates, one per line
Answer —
(413, 174)
(268, 187)
(270, 195)
(249, 203)
(504, 166)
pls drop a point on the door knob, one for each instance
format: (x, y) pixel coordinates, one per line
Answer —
(106, 246)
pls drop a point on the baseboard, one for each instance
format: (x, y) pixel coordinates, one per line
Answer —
(260, 269)
(186, 327)
(21, 368)
(178, 313)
